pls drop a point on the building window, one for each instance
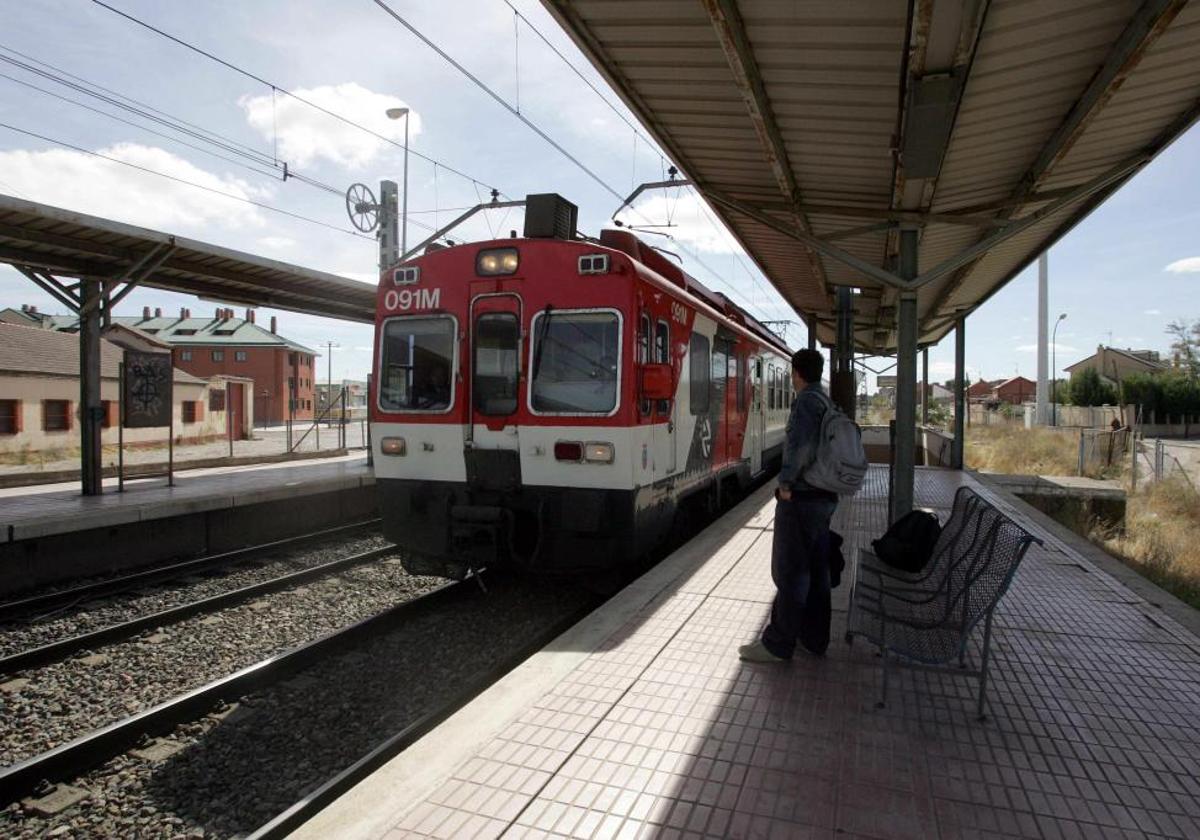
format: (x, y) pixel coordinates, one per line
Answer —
(185, 355)
(218, 355)
(10, 417)
(189, 410)
(56, 415)
(239, 355)
(110, 414)
(292, 359)
(216, 400)
(699, 372)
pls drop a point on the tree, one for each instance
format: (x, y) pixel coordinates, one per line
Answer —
(1186, 345)
(1142, 389)
(1087, 388)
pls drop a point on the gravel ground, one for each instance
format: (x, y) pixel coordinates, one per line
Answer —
(68, 699)
(231, 776)
(24, 634)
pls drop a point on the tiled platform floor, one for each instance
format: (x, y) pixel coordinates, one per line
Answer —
(35, 511)
(1094, 727)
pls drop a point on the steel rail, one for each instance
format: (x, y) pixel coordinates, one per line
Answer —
(317, 800)
(76, 757)
(89, 591)
(63, 648)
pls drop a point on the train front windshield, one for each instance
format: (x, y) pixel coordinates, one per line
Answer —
(575, 362)
(417, 368)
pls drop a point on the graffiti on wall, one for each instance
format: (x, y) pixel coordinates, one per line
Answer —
(147, 390)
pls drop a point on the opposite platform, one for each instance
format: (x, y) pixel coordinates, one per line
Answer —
(31, 512)
(641, 721)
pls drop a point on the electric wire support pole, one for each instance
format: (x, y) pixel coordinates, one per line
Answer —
(389, 217)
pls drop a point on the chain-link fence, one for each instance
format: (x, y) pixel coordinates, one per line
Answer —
(1155, 459)
(1101, 450)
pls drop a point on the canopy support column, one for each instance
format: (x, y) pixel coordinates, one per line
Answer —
(904, 473)
(925, 387)
(841, 374)
(90, 408)
(960, 393)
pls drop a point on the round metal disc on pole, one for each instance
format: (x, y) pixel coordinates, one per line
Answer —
(362, 208)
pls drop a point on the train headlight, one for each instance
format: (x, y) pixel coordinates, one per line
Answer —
(393, 446)
(598, 453)
(497, 261)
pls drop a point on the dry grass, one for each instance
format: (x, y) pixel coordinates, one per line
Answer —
(1162, 522)
(1019, 451)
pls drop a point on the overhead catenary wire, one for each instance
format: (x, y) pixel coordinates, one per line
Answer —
(539, 131)
(179, 180)
(248, 74)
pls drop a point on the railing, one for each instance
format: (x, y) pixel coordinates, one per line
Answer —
(325, 414)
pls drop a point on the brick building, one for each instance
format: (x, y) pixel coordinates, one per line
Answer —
(1015, 391)
(220, 345)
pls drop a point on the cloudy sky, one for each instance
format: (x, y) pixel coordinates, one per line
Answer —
(1121, 276)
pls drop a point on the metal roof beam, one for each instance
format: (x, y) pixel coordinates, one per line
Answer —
(50, 286)
(813, 241)
(919, 217)
(146, 266)
(731, 33)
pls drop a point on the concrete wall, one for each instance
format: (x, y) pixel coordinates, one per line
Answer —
(30, 391)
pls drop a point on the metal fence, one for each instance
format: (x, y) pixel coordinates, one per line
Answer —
(1157, 460)
(1101, 449)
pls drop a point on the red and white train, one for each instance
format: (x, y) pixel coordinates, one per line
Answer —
(551, 403)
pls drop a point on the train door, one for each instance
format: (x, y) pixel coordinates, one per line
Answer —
(493, 440)
(754, 423)
(665, 420)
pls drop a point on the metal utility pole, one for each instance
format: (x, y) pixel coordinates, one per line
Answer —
(1043, 322)
(329, 345)
(389, 249)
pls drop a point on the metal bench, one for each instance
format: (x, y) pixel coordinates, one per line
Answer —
(925, 619)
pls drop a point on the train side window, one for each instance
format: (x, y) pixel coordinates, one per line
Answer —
(699, 373)
(643, 355)
(417, 364)
(743, 381)
(662, 356)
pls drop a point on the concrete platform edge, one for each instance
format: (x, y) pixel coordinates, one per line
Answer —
(1157, 597)
(409, 778)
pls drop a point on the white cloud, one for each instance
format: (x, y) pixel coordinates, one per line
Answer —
(277, 243)
(1151, 311)
(1057, 348)
(1188, 265)
(304, 134)
(90, 184)
(941, 367)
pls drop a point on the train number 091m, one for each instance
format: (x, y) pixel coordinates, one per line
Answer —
(412, 299)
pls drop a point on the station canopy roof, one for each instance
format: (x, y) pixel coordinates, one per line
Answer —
(39, 238)
(817, 129)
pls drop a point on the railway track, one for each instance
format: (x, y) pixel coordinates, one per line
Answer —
(82, 754)
(286, 694)
(72, 645)
(59, 599)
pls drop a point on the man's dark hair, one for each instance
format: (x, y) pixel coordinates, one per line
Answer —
(809, 364)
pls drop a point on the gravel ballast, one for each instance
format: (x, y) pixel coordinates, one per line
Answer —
(229, 776)
(68, 699)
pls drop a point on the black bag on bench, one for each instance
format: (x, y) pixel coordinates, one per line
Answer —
(908, 544)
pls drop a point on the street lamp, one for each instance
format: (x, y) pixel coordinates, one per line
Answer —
(395, 114)
(1054, 371)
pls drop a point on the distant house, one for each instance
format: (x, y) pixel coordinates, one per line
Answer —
(1114, 364)
(981, 391)
(1014, 391)
(222, 345)
(39, 394)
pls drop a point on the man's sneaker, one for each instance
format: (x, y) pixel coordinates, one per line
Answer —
(757, 652)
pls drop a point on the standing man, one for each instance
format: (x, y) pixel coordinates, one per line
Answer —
(800, 552)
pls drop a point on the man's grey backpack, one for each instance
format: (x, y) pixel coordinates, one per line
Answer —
(840, 463)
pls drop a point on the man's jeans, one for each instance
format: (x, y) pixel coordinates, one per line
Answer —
(800, 568)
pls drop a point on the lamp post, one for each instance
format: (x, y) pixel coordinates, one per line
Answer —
(1054, 372)
(395, 114)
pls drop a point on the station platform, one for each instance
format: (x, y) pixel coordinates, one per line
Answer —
(52, 531)
(641, 722)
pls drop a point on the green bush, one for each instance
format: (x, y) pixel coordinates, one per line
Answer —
(1087, 388)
